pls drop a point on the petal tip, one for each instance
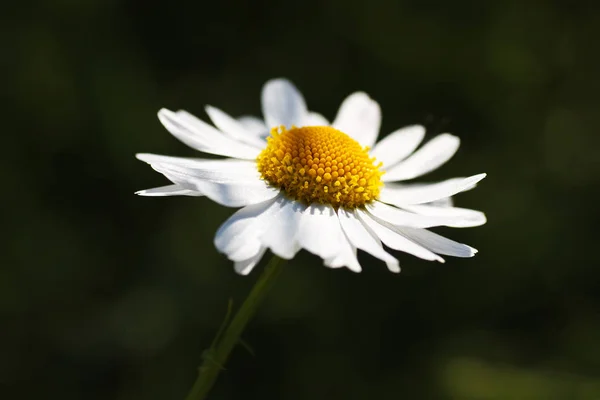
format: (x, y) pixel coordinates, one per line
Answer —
(416, 129)
(449, 136)
(164, 112)
(452, 141)
(359, 94)
(477, 178)
(242, 272)
(394, 268)
(143, 157)
(354, 268)
(278, 81)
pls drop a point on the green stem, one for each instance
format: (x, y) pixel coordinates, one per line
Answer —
(218, 354)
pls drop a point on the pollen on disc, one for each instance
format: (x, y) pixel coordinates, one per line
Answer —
(320, 164)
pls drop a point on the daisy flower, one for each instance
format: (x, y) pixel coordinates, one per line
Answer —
(305, 183)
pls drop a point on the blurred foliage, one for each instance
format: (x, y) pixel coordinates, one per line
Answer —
(106, 295)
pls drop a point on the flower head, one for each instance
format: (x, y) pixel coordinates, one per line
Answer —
(305, 183)
(320, 164)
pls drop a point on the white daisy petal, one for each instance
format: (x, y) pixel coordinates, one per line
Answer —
(285, 222)
(254, 125)
(169, 190)
(437, 243)
(213, 170)
(398, 145)
(429, 157)
(238, 195)
(404, 195)
(443, 202)
(242, 228)
(245, 267)
(359, 117)
(282, 104)
(316, 119)
(247, 249)
(346, 258)
(203, 137)
(386, 213)
(229, 188)
(360, 236)
(202, 164)
(233, 128)
(392, 237)
(319, 231)
(465, 218)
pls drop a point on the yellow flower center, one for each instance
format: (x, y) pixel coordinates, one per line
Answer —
(319, 164)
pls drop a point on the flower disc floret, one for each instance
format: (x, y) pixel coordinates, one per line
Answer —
(320, 164)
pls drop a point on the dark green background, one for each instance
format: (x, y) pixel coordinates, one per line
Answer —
(106, 295)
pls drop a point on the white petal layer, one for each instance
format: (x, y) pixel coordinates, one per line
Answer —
(231, 188)
(254, 125)
(443, 202)
(320, 231)
(244, 267)
(203, 137)
(169, 190)
(227, 170)
(391, 236)
(429, 157)
(436, 243)
(238, 236)
(285, 227)
(282, 104)
(398, 145)
(315, 119)
(233, 128)
(281, 236)
(346, 258)
(395, 216)
(465, 217)
(359, 117)
(360, 236)
(406, 194)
